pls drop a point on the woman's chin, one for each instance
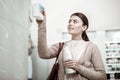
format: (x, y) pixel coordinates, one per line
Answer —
(70, 32)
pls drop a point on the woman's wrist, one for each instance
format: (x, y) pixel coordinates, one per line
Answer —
(77, 66)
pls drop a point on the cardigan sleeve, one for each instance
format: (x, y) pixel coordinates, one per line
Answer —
(44, 51)
(99, 72)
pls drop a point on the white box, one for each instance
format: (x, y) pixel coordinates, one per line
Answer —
(38, 11)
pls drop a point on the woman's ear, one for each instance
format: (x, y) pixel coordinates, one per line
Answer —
(84, 27)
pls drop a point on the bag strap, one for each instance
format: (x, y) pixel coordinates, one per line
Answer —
(60, 48)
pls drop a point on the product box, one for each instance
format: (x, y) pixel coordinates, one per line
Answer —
(38, 11)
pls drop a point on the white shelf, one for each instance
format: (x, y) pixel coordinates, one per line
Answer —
(109, 72)
(108, 42)
(113, 56)
(113, 64)
(114, 49)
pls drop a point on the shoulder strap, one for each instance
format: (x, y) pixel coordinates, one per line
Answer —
(60, 48)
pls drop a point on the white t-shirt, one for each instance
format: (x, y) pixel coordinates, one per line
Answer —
(77, 48)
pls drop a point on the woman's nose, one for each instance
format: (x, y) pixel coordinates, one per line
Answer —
(70, 23)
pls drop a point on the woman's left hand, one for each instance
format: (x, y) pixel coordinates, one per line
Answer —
(71, 64)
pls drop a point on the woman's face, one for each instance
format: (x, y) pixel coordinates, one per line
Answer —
(75, 26)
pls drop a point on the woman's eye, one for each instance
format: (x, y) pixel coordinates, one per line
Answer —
(75, 21)
(69, 21)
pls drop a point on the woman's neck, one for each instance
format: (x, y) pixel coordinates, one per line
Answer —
(77, 38)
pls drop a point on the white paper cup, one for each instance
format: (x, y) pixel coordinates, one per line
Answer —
(67, 56)
(69, 71)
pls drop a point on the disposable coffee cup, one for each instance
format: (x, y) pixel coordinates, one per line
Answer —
(38, 11)
(69, 71)
(67, 56)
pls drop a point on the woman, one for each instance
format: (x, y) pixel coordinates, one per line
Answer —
(87, 61)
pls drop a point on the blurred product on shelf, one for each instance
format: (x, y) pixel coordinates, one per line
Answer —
(112, 59)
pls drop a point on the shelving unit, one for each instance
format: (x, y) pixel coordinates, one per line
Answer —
(112, 58)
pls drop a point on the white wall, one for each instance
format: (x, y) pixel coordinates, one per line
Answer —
(14, 27)
(102, 14)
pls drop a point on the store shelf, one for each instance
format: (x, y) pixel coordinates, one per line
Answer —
(112, 57)
(109, 72)
(113, 49)
(113, 64)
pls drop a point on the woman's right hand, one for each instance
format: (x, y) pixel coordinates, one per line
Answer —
(41, 21)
